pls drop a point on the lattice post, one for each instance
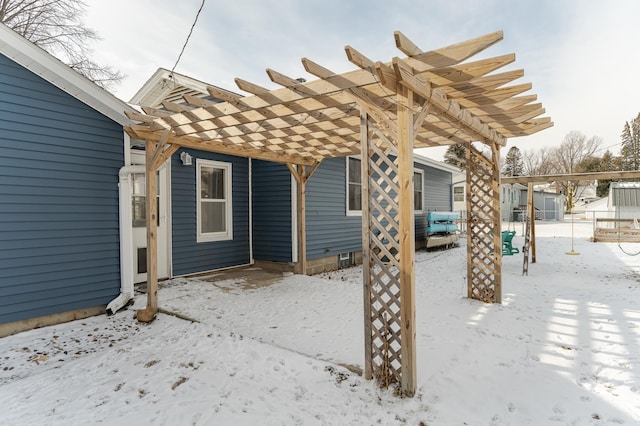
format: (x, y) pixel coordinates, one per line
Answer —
(389, 250)
(484, 238)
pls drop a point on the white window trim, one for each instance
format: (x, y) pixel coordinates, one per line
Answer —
(421, 173)
(215, 236)
(351, 212)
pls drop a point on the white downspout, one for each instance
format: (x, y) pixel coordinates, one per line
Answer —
(126, 247)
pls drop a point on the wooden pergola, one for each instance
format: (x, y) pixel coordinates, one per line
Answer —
(381, 111)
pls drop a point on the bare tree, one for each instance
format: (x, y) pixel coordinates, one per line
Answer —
(56, 26)
(569, 156)
(573, 150)
(538, 162)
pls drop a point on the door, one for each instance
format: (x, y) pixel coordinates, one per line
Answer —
(138, 205)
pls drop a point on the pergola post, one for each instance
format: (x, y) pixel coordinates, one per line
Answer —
(388, 236)
(301, 174)
(407, 241)
(366, 244)
(151, 214)
(484, 237)
(532, 222)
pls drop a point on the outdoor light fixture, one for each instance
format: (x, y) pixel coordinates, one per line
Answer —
(185, 158)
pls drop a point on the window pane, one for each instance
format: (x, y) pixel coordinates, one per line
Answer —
(213, 216)
(417, 200)
(355, 196)
(417, 182)
(139, 211)
(354, 170)
(212, 183)
(139, 183)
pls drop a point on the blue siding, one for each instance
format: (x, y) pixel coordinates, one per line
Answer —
(437, 196)
(271, 211)
(59, 162)
(329, 230)
(188, 255)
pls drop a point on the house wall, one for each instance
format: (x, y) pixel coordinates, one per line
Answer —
(188, 255)
(272, 199)
(438, 196)
(329, 230)
(59, 162)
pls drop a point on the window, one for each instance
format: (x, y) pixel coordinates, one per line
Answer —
(139, 200)
(458, 193)
(214, 212)
(418, 198)
(354, 187)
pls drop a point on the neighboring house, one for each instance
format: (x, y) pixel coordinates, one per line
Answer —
(260, 214)
(624, 200)
(513, 201)
(596, 208)
(62, 146)
(512, 196)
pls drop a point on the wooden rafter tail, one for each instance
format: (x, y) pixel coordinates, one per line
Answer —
(486, 82)
(508, 114)
(516, 101)
(290, 83)
(249, 87)
(405, 45)
(498, 95)
(386, 75)
(464, 72)
(175, 107)
(316, 69)
(155, 112)
(224, 95)
(456, 53)
(136, 116)
(359, 59)
(447, 107)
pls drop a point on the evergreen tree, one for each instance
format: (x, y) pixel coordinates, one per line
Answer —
(456, 155)
(513, 164)
(631, 144)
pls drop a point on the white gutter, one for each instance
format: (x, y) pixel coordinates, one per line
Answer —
(251, 259)
(126, 248)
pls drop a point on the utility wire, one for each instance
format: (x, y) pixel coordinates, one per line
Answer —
(188, 37)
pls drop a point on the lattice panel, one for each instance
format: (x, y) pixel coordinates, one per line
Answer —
(483, 204)
(382, 228)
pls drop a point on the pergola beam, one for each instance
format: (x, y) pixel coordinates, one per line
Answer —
(138, 132)
(635, 174)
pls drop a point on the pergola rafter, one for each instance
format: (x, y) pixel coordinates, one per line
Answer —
(382, 110)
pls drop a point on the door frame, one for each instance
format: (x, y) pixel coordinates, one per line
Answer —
(164, 216)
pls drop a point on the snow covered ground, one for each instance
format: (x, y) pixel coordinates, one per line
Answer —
(562, 348)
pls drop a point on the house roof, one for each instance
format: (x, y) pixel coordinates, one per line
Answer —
(167, 86)
(451, 100)
(43, 64)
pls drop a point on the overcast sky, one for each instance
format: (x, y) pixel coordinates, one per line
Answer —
(582, 56)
